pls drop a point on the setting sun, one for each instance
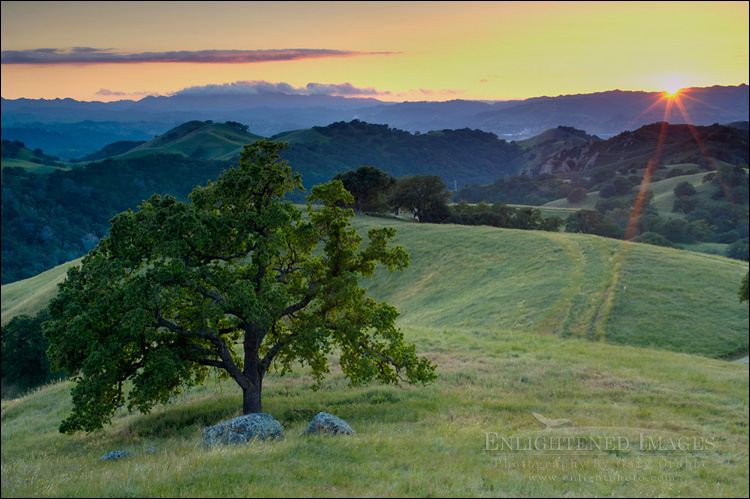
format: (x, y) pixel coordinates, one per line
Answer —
(671, 93)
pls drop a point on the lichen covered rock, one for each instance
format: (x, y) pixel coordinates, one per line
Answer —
(115, 455)
(243, 429)
(328, 424)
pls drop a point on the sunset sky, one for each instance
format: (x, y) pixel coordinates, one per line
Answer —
(392, 51)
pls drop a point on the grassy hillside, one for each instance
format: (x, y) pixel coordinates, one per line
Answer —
(571, 285)
(197, 139)
(31, 295)
(534, 282)
(28, 165)
(663, 191)
(507, 316)
(16, 154)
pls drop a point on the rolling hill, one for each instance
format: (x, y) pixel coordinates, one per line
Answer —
(16, 154)
(535, 282)
(635, 149)
(551, 142)
(319, 153)
(517, 322)
(36, 237)
(197, 139)
(457, 156)
(663, 191)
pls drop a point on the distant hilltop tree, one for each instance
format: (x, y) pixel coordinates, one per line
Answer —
(238, 126)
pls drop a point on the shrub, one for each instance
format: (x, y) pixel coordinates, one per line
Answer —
(577, 195)
(653, 238)
(684, 189)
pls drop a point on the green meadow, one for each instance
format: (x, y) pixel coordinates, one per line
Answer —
(623, 340)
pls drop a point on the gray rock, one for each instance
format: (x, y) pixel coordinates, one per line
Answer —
(243, 429)
(328, 424)
(115, 455)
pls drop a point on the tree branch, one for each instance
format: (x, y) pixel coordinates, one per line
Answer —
(201, 333)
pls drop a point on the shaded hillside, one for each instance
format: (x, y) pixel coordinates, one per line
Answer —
(49, 219)
(457, 156)
(319, 153)
(15, 154)
(551, 142)
(75, 140)
(634, 149)
(111, 150)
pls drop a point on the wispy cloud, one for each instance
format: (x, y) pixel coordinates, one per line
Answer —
(445, 92)
(117, 93)
(254, 87)
(88, 55)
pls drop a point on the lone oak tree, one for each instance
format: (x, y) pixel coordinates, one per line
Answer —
(176, 287)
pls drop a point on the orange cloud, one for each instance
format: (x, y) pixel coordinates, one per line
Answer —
(88, 55)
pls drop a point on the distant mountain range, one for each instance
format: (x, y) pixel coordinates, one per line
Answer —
(68, 128)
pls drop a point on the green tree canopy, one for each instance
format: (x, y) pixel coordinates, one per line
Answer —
(24, 354)
(369, 186)
(236, 280)
(684, 189)
(577, 195)
(425, 196)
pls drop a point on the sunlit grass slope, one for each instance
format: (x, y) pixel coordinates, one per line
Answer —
(663, 191)
(492, 309)
(197, 139)
(531, 282)
(29, 296)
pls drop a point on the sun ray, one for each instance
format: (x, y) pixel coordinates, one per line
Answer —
(635, 213)
(702, 146)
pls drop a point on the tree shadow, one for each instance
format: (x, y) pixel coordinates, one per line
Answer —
(175, 420)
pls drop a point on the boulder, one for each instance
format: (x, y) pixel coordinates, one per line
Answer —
(115, 455)
(243, 429)
(328, 424)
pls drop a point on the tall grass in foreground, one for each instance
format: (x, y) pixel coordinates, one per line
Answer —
(413, 441)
